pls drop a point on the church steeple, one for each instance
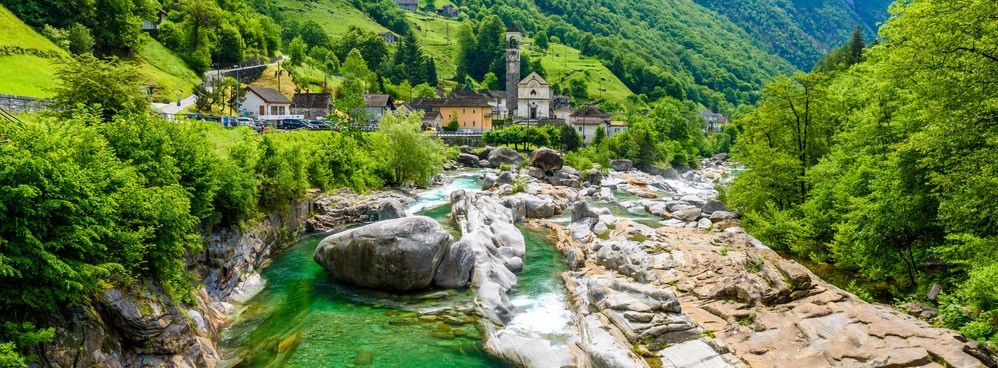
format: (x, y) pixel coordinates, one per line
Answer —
(512, 68)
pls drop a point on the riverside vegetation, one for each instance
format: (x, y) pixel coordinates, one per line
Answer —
(884, 162)
(99, 196)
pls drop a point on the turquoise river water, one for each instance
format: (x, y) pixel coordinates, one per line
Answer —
(303, 319)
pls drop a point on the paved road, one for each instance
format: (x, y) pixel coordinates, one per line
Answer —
(173, 108)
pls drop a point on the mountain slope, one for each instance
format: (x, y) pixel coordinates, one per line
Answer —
(27, 59)
(28, 63)
(802, 31)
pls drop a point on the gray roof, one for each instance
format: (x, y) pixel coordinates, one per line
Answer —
(379, 100)
(312, 100)
(431, 103)
(590, 111)
(269, 94)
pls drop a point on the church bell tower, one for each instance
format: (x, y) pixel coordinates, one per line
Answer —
(512, 69)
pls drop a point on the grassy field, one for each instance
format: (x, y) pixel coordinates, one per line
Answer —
(335, 16)
(438, 36)
(561, 61)
(31, 71)
(162, 68)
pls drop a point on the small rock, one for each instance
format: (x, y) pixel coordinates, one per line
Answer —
(505, 178)
(719, 216)
(704, 224)
(535, 172)
(934, 292)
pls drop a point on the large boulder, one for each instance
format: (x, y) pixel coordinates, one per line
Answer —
(546, 159)
(484, 153)
(466, 149)
(467, 159)
(504, 155)
(399, 254)
(622, 165)
(506, 178)
(390, 209)
(581, 211)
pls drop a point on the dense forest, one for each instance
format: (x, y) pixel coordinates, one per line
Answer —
(883, 162)
(802, 31)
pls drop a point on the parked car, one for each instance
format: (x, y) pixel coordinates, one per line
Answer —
(244, 122)
(292, 124)
(465, 131)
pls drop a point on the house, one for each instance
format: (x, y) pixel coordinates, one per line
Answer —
(473, 114)
(616, 127)
(408, 5)
(534, 97)
(152, 26)
(563, 112)
(312, 105)
(377, 106)
(389, 37)
(266, 104)
(432, 120)
(714, 122)
(587, 119)
(497, 99)
(449, 11)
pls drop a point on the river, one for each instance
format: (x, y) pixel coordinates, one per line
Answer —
(301, 318)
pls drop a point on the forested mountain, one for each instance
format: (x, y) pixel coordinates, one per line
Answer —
(802, 31)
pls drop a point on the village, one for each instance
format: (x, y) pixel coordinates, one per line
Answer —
(459, 111)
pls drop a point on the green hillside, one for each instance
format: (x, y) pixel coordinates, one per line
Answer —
(27, 59)
(335, 16)
(28, 63)
(562, 63)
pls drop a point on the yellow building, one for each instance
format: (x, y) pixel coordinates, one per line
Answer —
(472, 114)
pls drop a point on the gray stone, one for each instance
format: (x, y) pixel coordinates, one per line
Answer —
(719, 216)
(504, 155)
(455, 268)
(484, 154)
(484, 163)
(704, 224)
(399, 254)
(580, 210)
(693, 200)
(466, 149)
(622, 165)
(390, 209)
(489, 181)
(505, 178)
(686, 214)
(535, 172)
(712, 206)
(468, 159)
(546, 159)
(593, 177)
(934, 292)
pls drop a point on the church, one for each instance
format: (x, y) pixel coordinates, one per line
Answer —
(529, 101)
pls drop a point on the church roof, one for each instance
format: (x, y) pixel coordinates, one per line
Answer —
(512, 28)
(534, 76)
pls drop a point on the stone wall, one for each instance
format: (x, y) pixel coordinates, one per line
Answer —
(18, 104)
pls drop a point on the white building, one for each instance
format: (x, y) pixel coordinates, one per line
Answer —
(587, 119)
(616, 127)
(264, 103)
(534, 98)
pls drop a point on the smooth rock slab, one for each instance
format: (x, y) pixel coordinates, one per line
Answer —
(399, 254)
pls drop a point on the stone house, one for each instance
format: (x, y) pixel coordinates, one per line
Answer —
(408, 5)
(389, 37)
(266, 104)
(377, 105)
(449, 11)
(587, 119)
(312, 105)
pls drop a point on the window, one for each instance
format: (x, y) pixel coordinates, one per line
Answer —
(472, 111)
(580, 129)
(472, 123)
(464, 111)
